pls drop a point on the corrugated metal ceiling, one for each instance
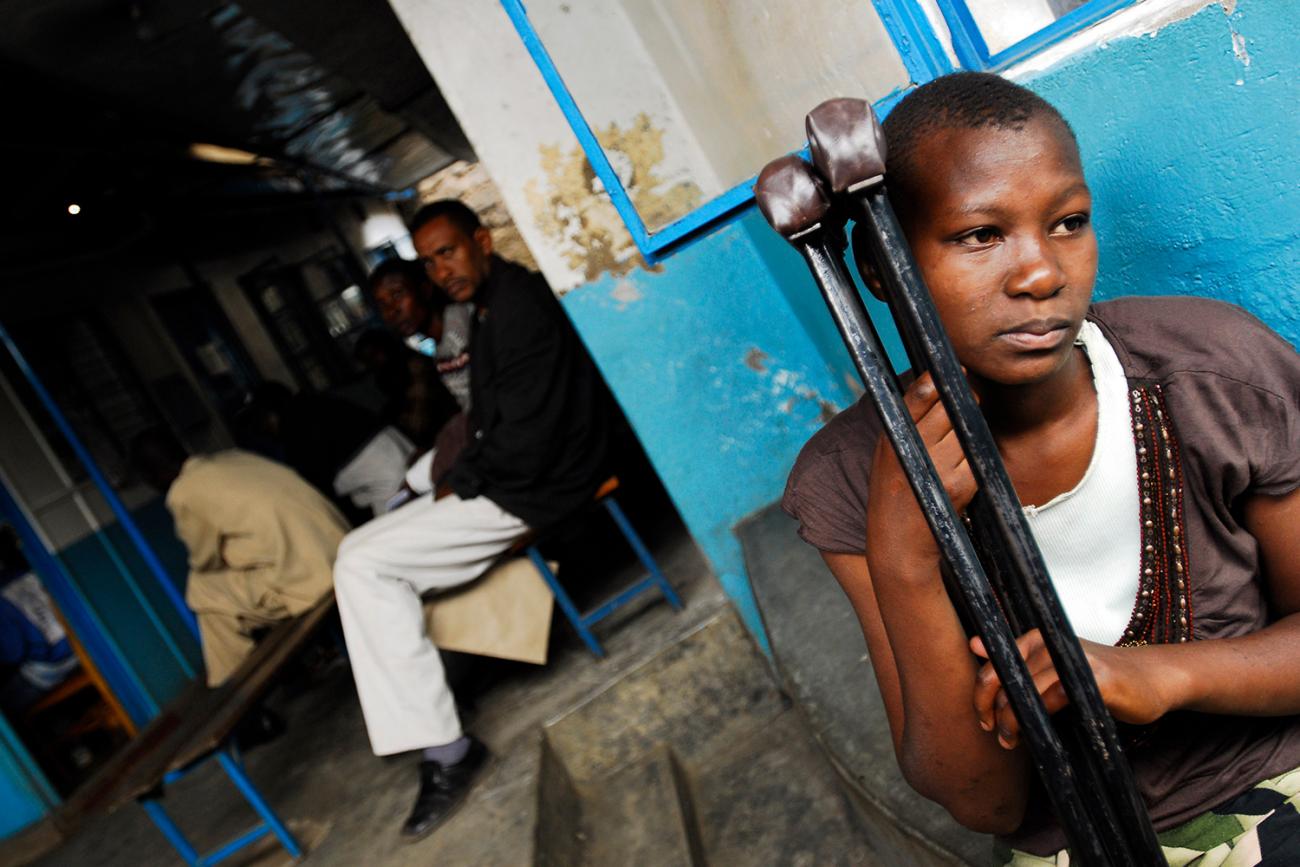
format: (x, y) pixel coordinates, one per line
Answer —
(106, 96)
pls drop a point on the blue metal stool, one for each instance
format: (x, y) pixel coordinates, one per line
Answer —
(582, 622)
(232, 763)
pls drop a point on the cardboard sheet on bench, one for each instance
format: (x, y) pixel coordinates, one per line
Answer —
(506, 614)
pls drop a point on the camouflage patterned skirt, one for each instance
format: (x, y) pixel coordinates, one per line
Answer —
(1259, 828)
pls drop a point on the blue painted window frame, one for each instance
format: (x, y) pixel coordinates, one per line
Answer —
(973, 53)
(918, 45)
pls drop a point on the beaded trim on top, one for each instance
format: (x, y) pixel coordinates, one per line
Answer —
(1162, 613)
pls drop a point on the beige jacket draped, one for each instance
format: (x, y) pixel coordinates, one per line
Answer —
(261, 544)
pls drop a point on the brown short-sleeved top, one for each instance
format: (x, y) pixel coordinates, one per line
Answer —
(1232, 389)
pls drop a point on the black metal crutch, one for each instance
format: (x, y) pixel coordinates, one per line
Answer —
(793, 200)
(796, 205)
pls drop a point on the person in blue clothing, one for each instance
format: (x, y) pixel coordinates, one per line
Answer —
(35, 654)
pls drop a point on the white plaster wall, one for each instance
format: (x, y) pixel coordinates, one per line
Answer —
(745, 74)
(613, 76)
(501, 102)
(1005, 22)
(726, 83)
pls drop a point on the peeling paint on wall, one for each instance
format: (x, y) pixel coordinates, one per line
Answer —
(788, 389)
(626, 293)
(1239, 49)
(756, 360)
(573, 210)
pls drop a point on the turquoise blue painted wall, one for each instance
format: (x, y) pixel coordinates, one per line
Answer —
(25, 797)
(1192, 154)
(719, 378)
(155, 642)
(1192, 150)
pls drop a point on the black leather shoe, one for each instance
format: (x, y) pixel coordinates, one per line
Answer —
(442, 789)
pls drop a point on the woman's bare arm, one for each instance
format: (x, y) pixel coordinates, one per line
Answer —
(919, 651)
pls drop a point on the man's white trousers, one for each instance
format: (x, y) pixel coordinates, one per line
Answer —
(382, 570)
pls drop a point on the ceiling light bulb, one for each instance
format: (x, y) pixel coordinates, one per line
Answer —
(74, 209)
(210, 153)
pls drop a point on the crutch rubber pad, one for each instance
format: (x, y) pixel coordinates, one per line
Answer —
(846, 141)
(791, 196)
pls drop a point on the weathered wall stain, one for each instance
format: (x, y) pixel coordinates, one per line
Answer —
(756, 360)
(789, 388)
(626, 293)
(573, 210)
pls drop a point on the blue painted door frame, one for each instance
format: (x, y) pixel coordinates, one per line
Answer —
(106, 490)
(81, 617)
(25, 795)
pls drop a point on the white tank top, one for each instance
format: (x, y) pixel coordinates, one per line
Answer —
(1090, 536)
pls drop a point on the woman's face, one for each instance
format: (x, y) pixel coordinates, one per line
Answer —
(1000, 224)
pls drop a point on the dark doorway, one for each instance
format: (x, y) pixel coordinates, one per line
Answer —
(206, 339)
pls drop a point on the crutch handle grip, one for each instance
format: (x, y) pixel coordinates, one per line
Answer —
(791, 196)
(847, 143)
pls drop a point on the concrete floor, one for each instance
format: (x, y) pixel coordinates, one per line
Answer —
(346, 805)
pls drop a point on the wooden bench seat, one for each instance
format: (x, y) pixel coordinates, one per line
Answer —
(198, 724)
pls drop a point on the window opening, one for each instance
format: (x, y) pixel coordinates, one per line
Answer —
(315, 311)
(995, 34)
(677, 104)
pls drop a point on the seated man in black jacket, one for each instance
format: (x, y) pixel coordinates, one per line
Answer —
(537, 450)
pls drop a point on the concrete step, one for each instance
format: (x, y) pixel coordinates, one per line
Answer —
(638, 815)
(642, 815)
(821, 659)
(611, 790)
(707, 691)
(696, 758)
(772, 799)
(558, 837)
